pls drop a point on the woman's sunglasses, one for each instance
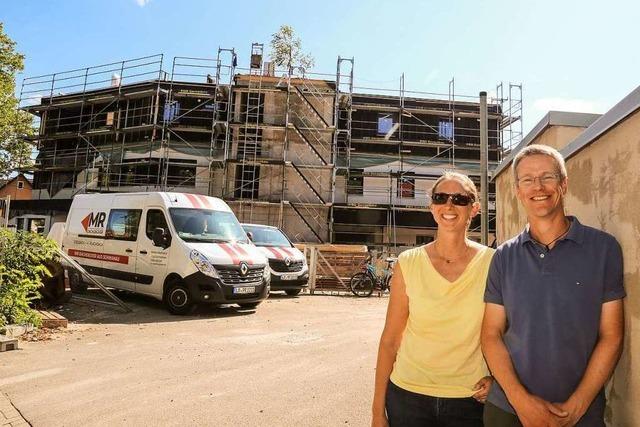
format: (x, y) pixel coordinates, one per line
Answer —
(456, 199)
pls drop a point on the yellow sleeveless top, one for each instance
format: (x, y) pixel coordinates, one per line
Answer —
(440, 352)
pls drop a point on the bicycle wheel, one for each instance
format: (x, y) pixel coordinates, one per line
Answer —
(388, 283)
(361, 285)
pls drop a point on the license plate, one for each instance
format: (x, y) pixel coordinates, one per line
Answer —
(244, 290)
(288, 277)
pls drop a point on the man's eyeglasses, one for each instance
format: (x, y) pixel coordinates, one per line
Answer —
(457, 199)
(545, 180)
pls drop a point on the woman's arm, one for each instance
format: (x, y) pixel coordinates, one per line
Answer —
(397, 315)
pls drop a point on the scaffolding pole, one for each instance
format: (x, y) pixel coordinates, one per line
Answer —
(484, 151)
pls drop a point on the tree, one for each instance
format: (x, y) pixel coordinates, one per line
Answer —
(22, 267)
(286, 50)
(15, 124)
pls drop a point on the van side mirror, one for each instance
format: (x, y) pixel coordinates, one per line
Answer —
(250, 235)
(161, 237)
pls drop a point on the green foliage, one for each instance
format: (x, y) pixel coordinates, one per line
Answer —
(286, 50)
(22, 255)
(15, 125)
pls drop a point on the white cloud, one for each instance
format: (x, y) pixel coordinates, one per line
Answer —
(568, 104)
(142, 3)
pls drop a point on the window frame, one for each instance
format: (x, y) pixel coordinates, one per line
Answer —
(382, 118)
(109, 231)
(149, 233)
(400, 190)
(355, 175)
(445, 130)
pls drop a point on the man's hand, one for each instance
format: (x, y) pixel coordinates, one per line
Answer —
(482, 388)
(536, 412)
(575, 410)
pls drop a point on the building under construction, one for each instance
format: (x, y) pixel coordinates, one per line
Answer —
(323, 159)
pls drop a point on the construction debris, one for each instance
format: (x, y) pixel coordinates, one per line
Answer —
(7, 344)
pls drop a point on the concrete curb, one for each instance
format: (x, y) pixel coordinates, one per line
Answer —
(9, 415)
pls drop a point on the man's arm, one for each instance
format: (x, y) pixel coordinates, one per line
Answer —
(531, 410)
(601, 364)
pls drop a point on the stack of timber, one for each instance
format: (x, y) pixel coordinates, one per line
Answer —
(51, 319)
(334, 264)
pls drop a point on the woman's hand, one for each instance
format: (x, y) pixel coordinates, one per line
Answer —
(379, 421)
(482, 388)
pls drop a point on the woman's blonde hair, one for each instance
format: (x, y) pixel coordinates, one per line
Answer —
(463, 179)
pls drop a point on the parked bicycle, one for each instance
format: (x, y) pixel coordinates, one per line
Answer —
(363, 284)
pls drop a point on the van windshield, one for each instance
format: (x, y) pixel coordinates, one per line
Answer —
(264, 236)
(203, 225)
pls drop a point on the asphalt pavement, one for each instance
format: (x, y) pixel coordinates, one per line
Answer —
(294, 361)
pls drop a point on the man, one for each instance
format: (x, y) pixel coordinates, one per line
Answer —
(553, 323)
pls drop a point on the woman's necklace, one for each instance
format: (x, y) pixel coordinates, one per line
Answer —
(449, 260)
(546, 246)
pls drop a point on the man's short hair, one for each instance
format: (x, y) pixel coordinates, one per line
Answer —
(537, 149)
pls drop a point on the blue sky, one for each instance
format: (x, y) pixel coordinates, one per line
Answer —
(569, 55)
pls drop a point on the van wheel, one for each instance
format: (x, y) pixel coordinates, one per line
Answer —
(178, 299)
(249, 304)
(292, 292)
(75, 282)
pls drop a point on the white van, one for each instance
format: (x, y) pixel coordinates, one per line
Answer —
(179, 248)
(289, 270)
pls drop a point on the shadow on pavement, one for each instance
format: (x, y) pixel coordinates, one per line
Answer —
(144, 310)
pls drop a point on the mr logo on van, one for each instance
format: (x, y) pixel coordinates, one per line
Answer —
(94, 222)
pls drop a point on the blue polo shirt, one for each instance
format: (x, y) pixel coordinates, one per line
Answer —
(553, 300)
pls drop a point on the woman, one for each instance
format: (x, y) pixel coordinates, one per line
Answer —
(430, 369)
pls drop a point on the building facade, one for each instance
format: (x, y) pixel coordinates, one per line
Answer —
(309, 153)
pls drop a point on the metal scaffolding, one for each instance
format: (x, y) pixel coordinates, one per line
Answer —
(313, 153)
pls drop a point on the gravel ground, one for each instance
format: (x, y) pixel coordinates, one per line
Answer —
(294, 361)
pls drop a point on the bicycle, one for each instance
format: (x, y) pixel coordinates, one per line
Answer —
(363, 284)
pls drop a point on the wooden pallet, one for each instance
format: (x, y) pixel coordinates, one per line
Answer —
(51, 319)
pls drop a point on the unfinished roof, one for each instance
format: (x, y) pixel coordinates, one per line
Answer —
(552, 118)
(611, 118)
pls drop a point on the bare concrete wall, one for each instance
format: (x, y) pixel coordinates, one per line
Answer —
(298, 190)
(272, 143)
(299, 231)
(275, 105)
(256, 213)
(604, 192)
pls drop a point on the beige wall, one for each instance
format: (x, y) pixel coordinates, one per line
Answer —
(604, 192)
(511, 218)
(558, 136)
